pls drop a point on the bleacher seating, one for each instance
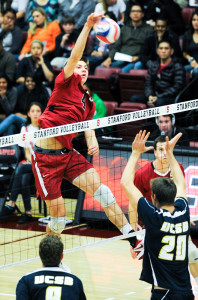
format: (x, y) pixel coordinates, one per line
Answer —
(101, 83)
(131, 83)
(110, 107)
(186, 14)
(128, 130)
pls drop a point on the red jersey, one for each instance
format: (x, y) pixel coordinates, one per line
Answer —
(144, 175)
(68, 103)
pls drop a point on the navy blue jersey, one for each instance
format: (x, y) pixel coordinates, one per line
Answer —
(165, 261)
(50, 283)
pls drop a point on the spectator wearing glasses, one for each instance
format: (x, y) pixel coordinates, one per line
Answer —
(131, 39)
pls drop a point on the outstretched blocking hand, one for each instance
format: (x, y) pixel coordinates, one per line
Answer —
(170, 145)
(139, 142)
(94, 18)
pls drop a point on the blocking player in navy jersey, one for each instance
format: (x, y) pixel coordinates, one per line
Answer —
(167, 223)
(51, 281)
(160, 167)
(55, 158)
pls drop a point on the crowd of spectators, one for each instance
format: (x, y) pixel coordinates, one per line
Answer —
(36, 35)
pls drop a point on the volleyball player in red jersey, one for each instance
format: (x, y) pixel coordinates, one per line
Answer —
(55, 158)
(160, 167)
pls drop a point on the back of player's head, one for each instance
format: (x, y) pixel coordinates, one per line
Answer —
(164, 189)
(159, 139)
(50, 250)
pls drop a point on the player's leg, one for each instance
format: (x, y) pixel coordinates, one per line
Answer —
(90, 183)
(58, 216)
(193, 259)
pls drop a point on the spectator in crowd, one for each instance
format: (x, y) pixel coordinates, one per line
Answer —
(27, 92)
(98, 50)
(10, 33)
(115, 6)
(21, 7)
(4, 4)
(165, 78)
(8, 98)
(23, 174)
(42, 30)
(131, 39)
(170, 11)
(149, 48)
(66, 40)
(69, 286)
(79, 9)
(7, 63)
(51, 8)
(190, 45)
(101, 109)
(37, 64)
(167, 127)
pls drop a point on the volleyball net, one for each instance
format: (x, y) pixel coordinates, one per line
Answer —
(115, 134)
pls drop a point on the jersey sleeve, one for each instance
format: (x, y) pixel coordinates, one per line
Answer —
(146, 211)
(138, 182)
(61, 81)
(22, 290)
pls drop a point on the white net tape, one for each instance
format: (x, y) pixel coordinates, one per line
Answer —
(98, 123)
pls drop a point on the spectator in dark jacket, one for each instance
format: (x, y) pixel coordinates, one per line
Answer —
(190, 45)
(165, 78)
(131, 39)
(149, 48)
(26, 93)
(66, 40)
(37, 64)
(12, 35)
(170, 11)
(7, 63)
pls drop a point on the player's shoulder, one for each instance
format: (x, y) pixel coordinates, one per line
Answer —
(144, 169)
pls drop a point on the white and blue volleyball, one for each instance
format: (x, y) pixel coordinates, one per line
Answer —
(107, 30)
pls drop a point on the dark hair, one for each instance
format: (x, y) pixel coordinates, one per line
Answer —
(67, 20)
(28, 121)
(9, 10)
(50, 250)
(161, 18)
(165, 190)
(129, 5)
(9, 83)
(192, 16)
(165, 41)
(85, 59)
(159, 139)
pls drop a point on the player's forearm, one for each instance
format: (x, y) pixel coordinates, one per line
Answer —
(79, 47)
(127, 180)
(176, 171)
(90, 138)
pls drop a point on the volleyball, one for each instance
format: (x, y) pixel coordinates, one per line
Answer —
(107, 30)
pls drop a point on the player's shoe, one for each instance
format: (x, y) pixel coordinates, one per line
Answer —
(139, 246)
(64, 267)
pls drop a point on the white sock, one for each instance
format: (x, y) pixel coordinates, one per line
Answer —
(126, 228)
(196, 279)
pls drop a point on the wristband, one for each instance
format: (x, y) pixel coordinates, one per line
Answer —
(132, 240)
(190, 59)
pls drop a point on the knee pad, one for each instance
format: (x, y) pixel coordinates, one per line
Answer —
(104, 196)
(192, 253)
(57, 224)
